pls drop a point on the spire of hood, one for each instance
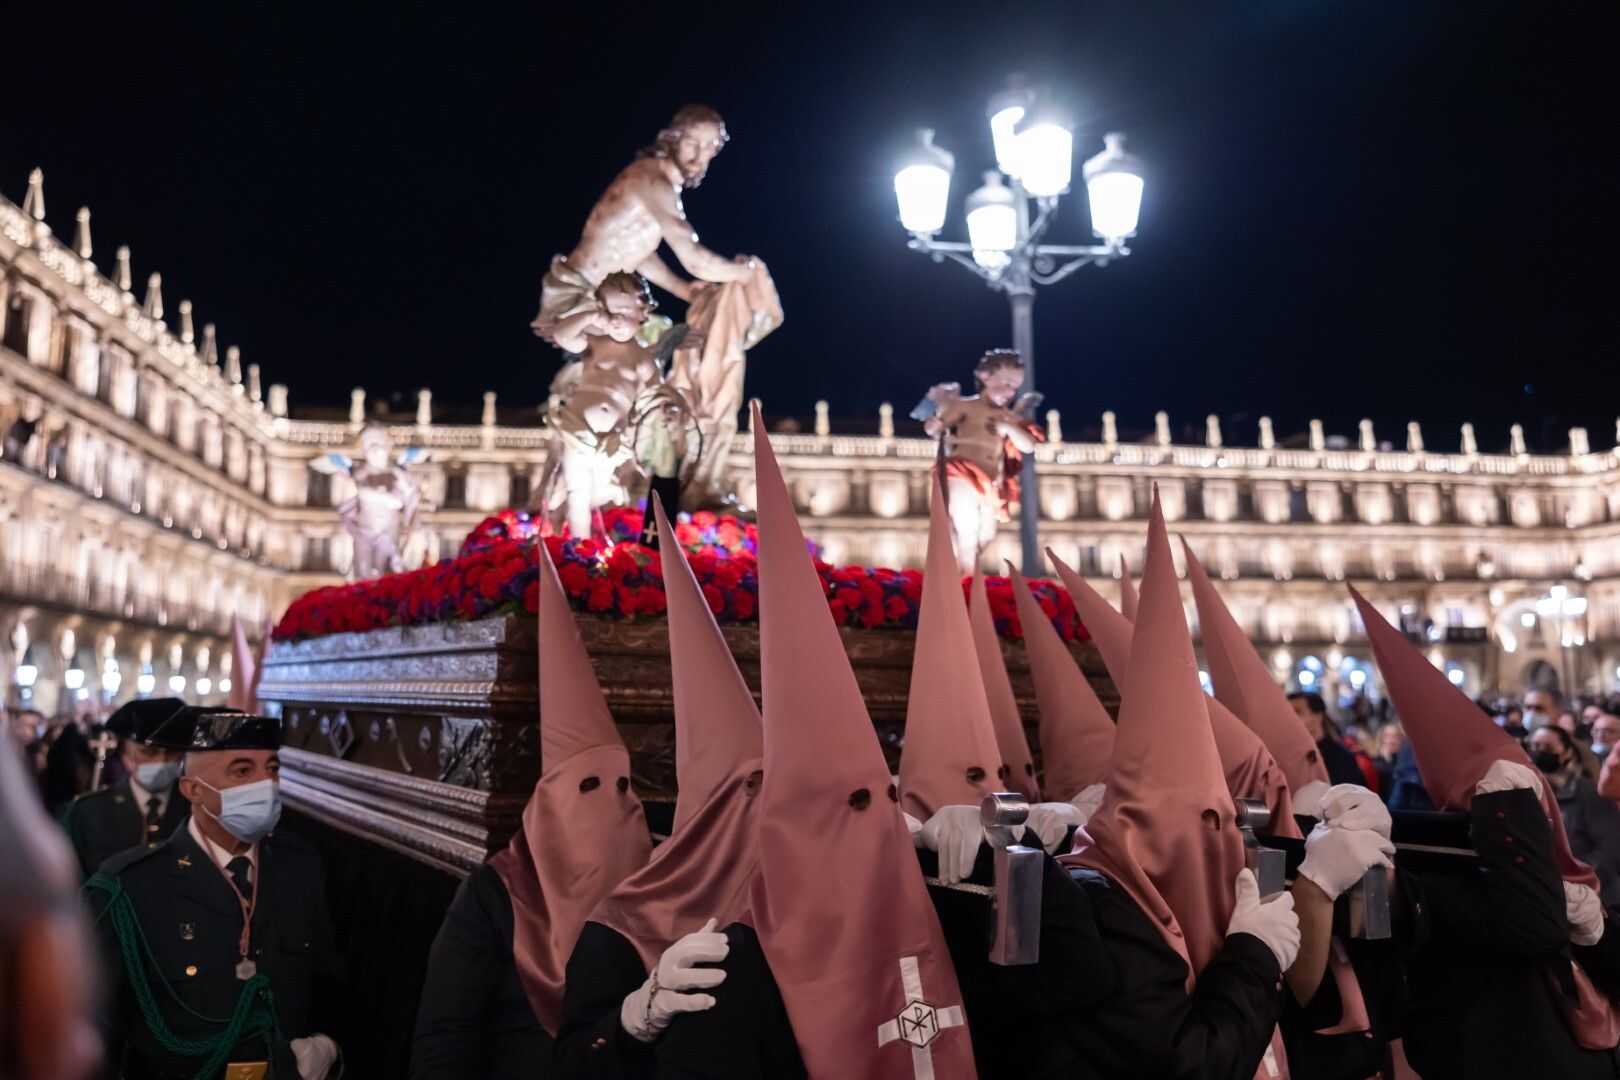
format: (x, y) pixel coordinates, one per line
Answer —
(244, 695)
(1251, 771)
(828, 802)
(574, 714)
(1077, 734)
(1166, 830)
(950, 756)
(707, 865)
(1110, 631)
(1127, 590)
(1245, 686)
(717, 725)
(1016, 760)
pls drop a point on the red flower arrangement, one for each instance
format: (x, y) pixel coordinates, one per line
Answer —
(496, 573)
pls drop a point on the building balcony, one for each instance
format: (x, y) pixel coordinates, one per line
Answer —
(23, 583)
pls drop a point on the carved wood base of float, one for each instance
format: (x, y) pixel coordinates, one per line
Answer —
(424, 739)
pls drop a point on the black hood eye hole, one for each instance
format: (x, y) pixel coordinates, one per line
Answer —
(1212, 820)
(1004, 772)
(1029, 769)
(1311, 757)
(624, 784)
(860, 799)
(590, 783)
(755, 781)
(894, 794)
(975, 774)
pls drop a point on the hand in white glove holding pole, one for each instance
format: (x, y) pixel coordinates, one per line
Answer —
(955, 832)
(1585, 913)
(1506, 775)
(1052, 821)
(1351, 806)
(1336, 857)
(1309, 797)
(648, 1011)
(1273, 922)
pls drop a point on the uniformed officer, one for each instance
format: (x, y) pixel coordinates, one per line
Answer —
(141, 809)
(219, 945)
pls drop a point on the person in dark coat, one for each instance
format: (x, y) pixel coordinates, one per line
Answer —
(474, 1021)
(1485, 946)
(1509, 959)
(217, 941)
(142, 808)
(68, 764)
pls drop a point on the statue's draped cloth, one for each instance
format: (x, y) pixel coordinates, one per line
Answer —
(723, 321)
(564, 293)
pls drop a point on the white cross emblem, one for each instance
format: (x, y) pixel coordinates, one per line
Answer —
(919, 1022)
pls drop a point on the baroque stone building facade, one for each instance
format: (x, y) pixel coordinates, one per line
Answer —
(150, 487)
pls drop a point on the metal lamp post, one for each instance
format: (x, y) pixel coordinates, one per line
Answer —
(1007, 220)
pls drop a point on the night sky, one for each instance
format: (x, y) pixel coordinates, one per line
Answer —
(1395, 210)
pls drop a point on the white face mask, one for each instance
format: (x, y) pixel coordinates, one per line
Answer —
(157, 776)
(250, 811)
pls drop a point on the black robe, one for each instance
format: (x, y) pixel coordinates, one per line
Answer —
(474, 1021)
(1481, 942)
(603, 970)
(1107, 999)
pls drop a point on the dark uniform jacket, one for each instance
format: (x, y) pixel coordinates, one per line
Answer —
(191, 923)
(474, 1021)
(1482, 942)
(100, 824)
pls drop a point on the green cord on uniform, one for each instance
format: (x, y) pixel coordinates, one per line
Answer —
(254, 1015)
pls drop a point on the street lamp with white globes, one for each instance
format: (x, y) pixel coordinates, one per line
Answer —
(1033, 139)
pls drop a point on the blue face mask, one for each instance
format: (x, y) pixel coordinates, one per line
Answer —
(157, 776)
(250, 811)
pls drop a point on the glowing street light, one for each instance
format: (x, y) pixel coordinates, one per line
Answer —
(1007, 221)
(922, 185)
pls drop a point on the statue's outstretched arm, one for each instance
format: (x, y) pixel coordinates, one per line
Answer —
(658, 272)
(697, 260)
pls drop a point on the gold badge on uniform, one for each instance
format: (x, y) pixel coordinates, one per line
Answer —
(183, 861)
(246, 1070)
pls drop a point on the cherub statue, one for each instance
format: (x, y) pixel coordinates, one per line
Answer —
(731, 306)
(983, 440)
(610, 413)
(382, 514)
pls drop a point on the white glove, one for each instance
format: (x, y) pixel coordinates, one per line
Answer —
(1337, 857)
(1309, 797)
(955, 832)
(1585, 913)
(648, 1011)
(1273, 922)
(1506, 775)
(314, 1056)
(914, 827)
(1351, 806)
(1088, 799)
(1051, 822)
